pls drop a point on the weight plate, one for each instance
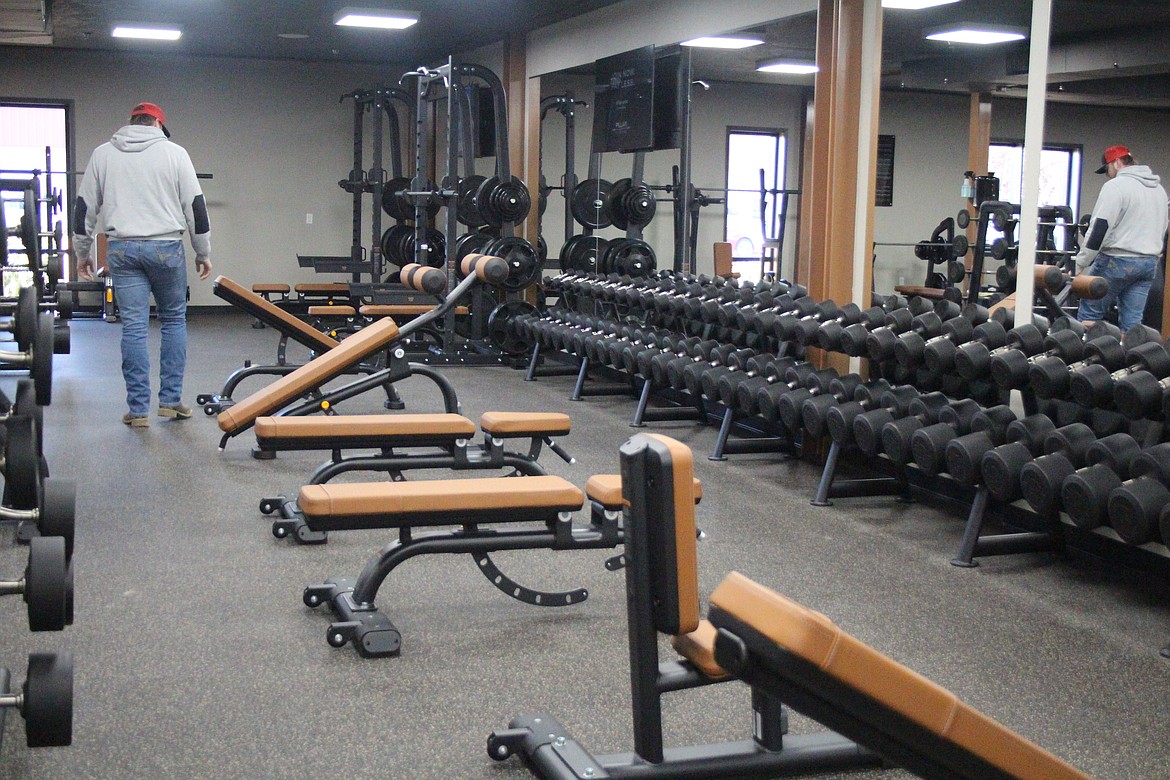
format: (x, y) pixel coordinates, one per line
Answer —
(466, 210)
(22, 472)
(48, 700)
(501, 332)
(42, 360)
(956, 271)
(59, 511)
(524, 264)
(963, 219)
(435, 253)
(959, 246)
(590, 203)
(24, 321)
(542, 249)
(395, 205)
(467, 244)
(26, 403)
(501, 201)
(392, 244)
(1000, 219)
(630, 257)
(46, 582)
(615, 203)
(566, 253)
(640, 205)
(543, 195)
(587, 254)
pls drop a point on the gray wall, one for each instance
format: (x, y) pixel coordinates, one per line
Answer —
(272, 133)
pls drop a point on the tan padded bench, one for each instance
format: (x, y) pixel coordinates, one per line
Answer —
(271, 287)
(309, 376)
(332, 311)
(401, 309)
(346, 431)
(934, 293)
(606, 489)
(816, 639)
(346, 506)
(271, 314)
(512, 425)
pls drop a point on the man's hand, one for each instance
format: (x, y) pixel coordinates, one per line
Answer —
(203, 266)
(1084, 259)
(85, 270)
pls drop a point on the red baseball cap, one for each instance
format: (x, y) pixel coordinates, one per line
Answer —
(1112, 154)
(150, 109)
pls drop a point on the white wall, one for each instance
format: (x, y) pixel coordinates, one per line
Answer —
(272, 133)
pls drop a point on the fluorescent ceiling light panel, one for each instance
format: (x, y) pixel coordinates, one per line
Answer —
(146, 32)
(795, 67)
(914, 5)
(723, 42)
(378, 18)
(977, 33)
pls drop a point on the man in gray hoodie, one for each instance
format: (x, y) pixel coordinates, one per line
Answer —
(147, 194)
(1125, 238)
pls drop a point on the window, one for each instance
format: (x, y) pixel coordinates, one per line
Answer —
(1060, 181)
(749, 151)
(32, 138)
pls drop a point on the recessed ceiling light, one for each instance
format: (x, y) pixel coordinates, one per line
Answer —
(723, 42)
(147, 32)
(915, 5)
(292, 36)
(787, 65)
(976, 33)
(379, 18)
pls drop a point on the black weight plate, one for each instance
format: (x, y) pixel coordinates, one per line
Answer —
(615, 203)
(524, 264)
(48, 700)
(46, 582)
(24, 320)
(500, 332)
(392, 244)
(396, 206)
(469, 244)
(588, 254)
(502, 201)
(542, 249)
(959, 246)
(590, 201)
(435, 253)
(22, 472)
(26, 403)
(566, 253)
(963, 219)
(640, 205)
(466, 210)
(956, 271)
(631, 257)
(42, 360)
(432, 204)
(542, 201)
(59, 511)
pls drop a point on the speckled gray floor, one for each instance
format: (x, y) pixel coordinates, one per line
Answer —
(196, 658)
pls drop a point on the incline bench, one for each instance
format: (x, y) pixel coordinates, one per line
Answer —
(787, 654)
(309, 378)
(451, 434)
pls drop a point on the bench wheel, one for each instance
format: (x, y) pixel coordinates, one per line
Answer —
(48, 700)
(268, 506)
(210, 410)
(498, 749)
(203, 399)
(280, 531)
(336, 638)
(316, 595)
(48, 580)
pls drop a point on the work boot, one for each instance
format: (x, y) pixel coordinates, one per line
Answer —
(135, 420)
(177, 411)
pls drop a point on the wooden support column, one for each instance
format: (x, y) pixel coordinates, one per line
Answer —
(978, 149)
(523, 125)
(840, 180)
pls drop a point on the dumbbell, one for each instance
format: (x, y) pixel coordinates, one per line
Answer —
(1000, 467)
(38, 359)
(768, 397)
(1049, 377)
(44, 700)
(681, 372)
(910, 347)
(689, 351)
(922, 412)
(1094, 385)
(647, 338)
(805, 329)
(692, 375)
(1064, 452)
(1135, 506)
(963, 454)
(973, 359)
(637, 359)
(840, 419)
(894, 405)
(763, 321)
(1142, 394)
(737, 365)
(939, 353)
(882, 342)
(23, 322)
(1065, 341)
(790, 405)
(928, 445)
(814, 411)
(47, 585)
(853, 338)
(747, 390)
(1085, 493)
(830, 335)
(728, 313)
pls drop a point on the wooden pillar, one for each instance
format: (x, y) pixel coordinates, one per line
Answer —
(978, 145)
(523, 125)
(840, 180)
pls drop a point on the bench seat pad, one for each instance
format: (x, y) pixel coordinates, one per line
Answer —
(606, 489)
(504, 425)
(270, 287)
(268, 312)
(698, 647)
(816, 639)
(332, 311)
(440, 501)
(365, 430)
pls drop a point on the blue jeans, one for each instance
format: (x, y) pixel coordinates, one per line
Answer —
(1129, 283)
(138, 269)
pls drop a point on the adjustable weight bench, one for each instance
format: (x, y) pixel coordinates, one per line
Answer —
(789, 655)
(384, 335)
(450, 434)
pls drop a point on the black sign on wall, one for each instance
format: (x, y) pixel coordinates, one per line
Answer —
(623, 113)
(884, 195)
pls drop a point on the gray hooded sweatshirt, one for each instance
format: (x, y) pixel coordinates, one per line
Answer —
(145, 188)
(1129, 218)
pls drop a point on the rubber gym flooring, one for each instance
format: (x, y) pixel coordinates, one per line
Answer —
(195, 656)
